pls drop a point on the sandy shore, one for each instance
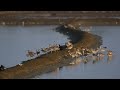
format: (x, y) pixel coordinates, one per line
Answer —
(49, 62)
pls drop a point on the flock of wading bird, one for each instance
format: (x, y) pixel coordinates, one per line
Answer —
(50, 49)
(83, 52)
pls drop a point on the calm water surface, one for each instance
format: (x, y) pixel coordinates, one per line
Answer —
(16, 40)
(103, 69)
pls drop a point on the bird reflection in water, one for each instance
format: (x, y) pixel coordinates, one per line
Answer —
(109, 56)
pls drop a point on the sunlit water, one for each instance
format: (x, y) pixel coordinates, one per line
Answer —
(103, 69)
(16, 40)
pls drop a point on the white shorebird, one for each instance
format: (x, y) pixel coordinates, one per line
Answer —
(100, 55)
(20, 64)
(72, 54)
(30, 54)
(109, 53)
(94, 51)
(69, 45)
(102, 49)
(78, 52)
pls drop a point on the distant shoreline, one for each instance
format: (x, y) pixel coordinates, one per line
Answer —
(59, 17)
(84, 22)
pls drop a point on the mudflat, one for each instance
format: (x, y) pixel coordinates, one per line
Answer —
(50, 61)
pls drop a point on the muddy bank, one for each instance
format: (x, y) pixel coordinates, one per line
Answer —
(49, 62)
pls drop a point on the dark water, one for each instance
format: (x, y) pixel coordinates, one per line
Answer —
(104, 69)
(16, 40)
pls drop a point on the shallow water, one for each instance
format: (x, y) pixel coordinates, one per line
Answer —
(103, 69)
(16, 40)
